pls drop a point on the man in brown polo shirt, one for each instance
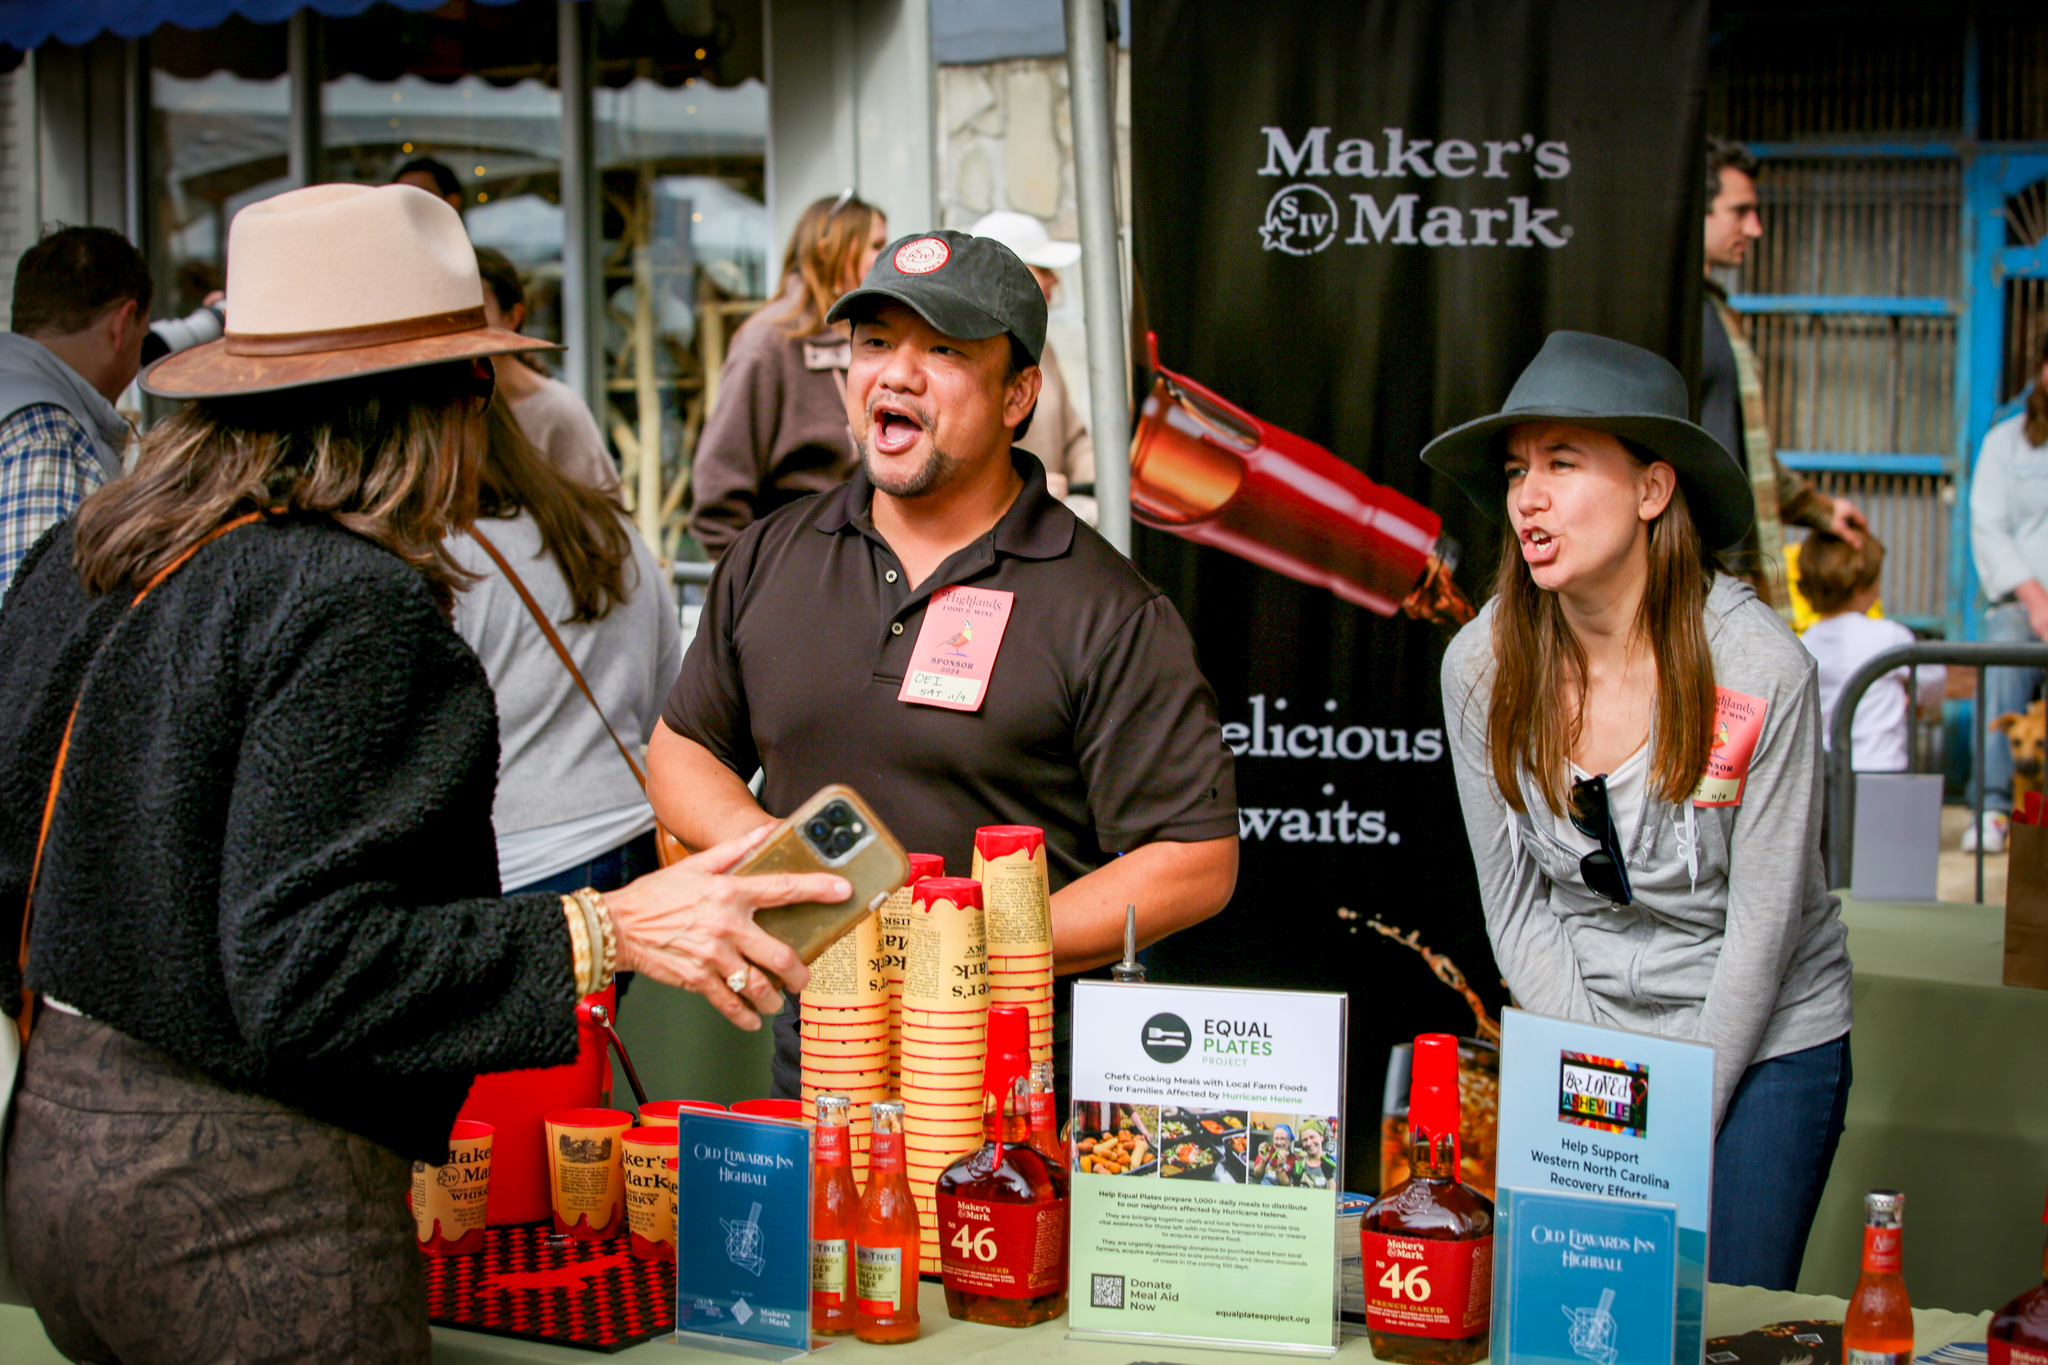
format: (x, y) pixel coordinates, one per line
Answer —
(1083, 712)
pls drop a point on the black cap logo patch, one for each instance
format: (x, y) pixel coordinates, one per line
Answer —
(922, 256)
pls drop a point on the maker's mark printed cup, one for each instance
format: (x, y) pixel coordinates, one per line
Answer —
(650, 1192)
(448, 1201)
(586, 1171)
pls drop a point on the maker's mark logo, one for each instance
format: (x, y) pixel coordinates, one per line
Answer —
(1300, 220)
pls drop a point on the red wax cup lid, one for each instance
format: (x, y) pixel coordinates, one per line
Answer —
(993, 841)
(924, 865)
(961, 891)
(1433, 1086)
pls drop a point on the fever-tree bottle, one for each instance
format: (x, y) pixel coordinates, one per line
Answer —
(1878, 1328)
(885, 1246)
(1003, 1207)
(1428, 1242)
(835, 1218)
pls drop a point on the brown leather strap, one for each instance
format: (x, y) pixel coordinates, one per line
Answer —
(354, 338)
(35, 871)
(547, 628)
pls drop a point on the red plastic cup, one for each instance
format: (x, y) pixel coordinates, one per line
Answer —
(771, 1109)
(662, 1113)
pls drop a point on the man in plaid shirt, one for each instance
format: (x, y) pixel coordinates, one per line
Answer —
(81, 311)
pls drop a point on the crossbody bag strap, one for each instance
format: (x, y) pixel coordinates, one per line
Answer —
(547, 628)
(35, 870)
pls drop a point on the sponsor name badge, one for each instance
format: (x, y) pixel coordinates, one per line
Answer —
(956, 647)
(1738, 724)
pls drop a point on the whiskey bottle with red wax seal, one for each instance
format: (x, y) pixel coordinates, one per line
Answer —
(2019, 1331)
(1428, 1242)
(1003, 1207)
(885, 1245)
(1878, 1328)
(835, 1218)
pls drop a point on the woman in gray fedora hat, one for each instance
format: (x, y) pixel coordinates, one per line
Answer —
(245, 825)
(1636, 739)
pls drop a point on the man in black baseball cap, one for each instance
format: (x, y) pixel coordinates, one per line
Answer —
(945, 636)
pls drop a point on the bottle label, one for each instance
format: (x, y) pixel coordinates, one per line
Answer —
(828, 1271)
(2005, 1353)
(1044, 1115)
(885, 1154)
(878, 1280)
(1856, 1357)
(1419, 1287)
(830, 1145)
(1883, 1251)
(1006, 1251)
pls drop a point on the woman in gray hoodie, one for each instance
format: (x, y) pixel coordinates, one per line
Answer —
(1636, 739)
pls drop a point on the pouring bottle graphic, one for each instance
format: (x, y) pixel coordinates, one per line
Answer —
(1207, 470)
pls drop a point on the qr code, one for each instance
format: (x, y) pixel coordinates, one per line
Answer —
(1108, 1292)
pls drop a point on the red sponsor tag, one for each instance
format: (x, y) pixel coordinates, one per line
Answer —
(1007, 1251)
(1883, 1252)
(2005, 1353)
(831, 1144)
(956, 647)
(1738, 724)
(1418, 1287)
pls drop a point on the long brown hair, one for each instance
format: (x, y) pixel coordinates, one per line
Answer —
(393, 457)
(2037, 400)
(828, 240)
(1539, 664)
(578, 525)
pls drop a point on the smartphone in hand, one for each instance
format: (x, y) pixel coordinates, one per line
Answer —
(834, 831)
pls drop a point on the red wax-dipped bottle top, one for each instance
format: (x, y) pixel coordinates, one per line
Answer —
(993, 841)
(2019, 1331)
(963, 892)
(1428, 1242)
(1002, 1213)
(923, 865)
(1211, 472)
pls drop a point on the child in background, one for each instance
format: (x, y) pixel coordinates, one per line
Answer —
(1840, 580)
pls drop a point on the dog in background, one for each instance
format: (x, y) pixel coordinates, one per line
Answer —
(2027, 733)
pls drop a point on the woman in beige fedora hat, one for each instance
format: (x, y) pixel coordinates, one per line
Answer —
(246, 826)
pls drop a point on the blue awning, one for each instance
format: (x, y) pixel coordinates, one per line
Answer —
(26, 24)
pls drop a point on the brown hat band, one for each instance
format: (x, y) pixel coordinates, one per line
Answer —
(353, 338)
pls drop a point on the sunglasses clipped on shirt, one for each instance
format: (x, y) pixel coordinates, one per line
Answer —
(1605, 869)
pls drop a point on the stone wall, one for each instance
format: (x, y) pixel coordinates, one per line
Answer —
(1006, 142)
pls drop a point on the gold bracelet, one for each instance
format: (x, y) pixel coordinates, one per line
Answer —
(579, 943)
(604, 937)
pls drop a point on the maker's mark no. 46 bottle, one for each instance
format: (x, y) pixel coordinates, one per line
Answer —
(1428, 1242)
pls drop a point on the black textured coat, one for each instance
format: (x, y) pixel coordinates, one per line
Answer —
(272, 852)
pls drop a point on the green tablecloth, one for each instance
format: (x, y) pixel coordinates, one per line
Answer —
(945, 1342)
(1950, 1105)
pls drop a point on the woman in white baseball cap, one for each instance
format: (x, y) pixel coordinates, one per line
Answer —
(1058, 436)
(261, 904)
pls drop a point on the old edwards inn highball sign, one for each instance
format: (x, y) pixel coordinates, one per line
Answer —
(1355, 223)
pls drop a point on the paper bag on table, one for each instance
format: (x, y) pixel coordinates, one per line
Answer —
(2026, 906)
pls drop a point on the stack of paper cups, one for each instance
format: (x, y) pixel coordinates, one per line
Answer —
(895, 921)
(1009, 862)
(945, 1038)
(843, 1022)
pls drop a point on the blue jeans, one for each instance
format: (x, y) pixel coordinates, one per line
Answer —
(2005, 689)
(1771, 1163)
(608, 871)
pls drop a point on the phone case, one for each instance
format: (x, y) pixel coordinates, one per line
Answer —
(876, 867)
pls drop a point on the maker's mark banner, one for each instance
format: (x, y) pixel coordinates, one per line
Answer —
(1355, 224)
